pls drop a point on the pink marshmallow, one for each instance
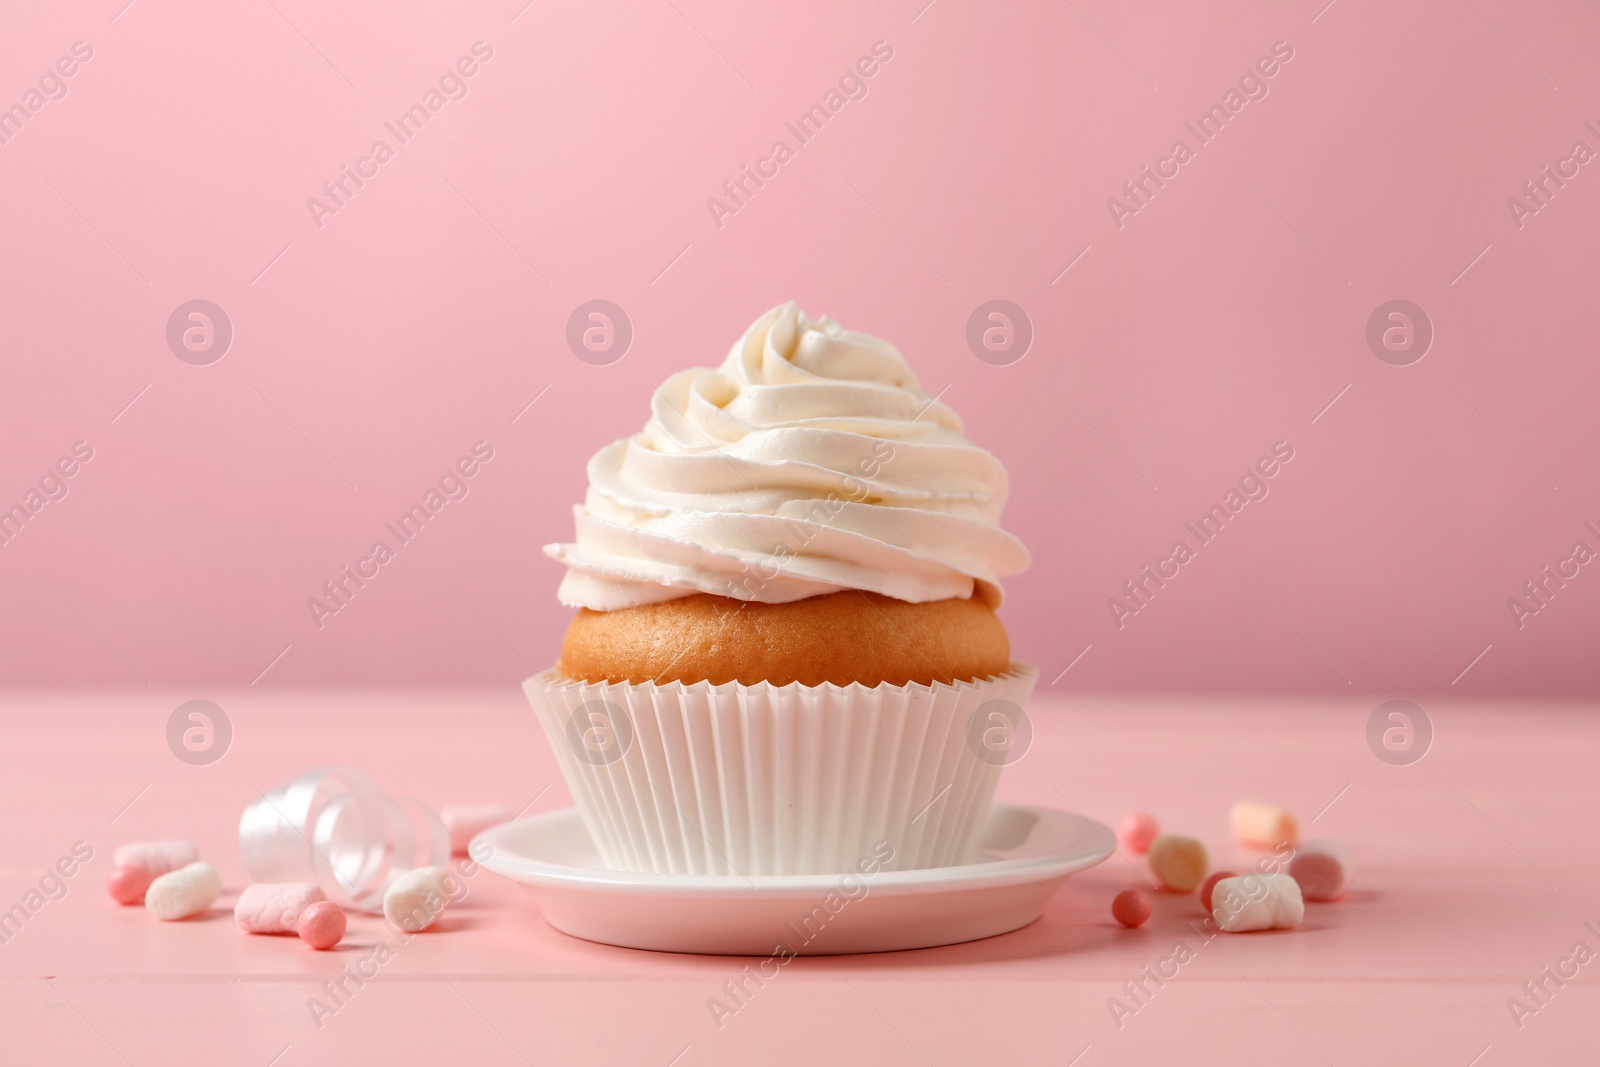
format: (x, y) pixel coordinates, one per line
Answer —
(155, 857)
(1322, 868)
(466, 821)
(1136, 831)
(275, 907)
(322, 925)
(127, 885)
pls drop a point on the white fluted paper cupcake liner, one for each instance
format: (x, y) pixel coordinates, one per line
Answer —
(765, 779)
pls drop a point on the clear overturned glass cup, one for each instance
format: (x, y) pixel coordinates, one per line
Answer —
(334, 827)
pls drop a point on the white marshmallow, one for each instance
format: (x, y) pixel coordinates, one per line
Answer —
(416, 898)
(155, 857)
(1257, 902)
(466, 821)
(184, 892)
(275, 907)
(1323, 869)
(1262, 824)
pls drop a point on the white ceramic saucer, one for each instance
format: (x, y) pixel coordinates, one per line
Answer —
(1022, 856)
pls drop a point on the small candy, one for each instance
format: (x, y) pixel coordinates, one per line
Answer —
(1323, 869)
(1136, 831)
(155, 857)
(127, 884)
(1262, 825)
(322, 925)
(184, 892)
(466, 821)
(1179, 863)
(1130, 908)
(1257, 902)
(415, 899)
(1210, 885)
(274, 907)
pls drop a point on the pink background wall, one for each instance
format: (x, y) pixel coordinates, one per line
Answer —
(369, 353)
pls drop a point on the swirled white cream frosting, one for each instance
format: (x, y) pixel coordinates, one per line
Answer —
(811, 461)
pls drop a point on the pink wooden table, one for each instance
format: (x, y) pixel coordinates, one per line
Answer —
(1478, 869)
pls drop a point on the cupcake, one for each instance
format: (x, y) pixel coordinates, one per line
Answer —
(786, 657)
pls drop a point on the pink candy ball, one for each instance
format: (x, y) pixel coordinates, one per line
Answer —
(1136, 831)
(1130, 908)
(1210, 884)
(322, 924)
(128, 884)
